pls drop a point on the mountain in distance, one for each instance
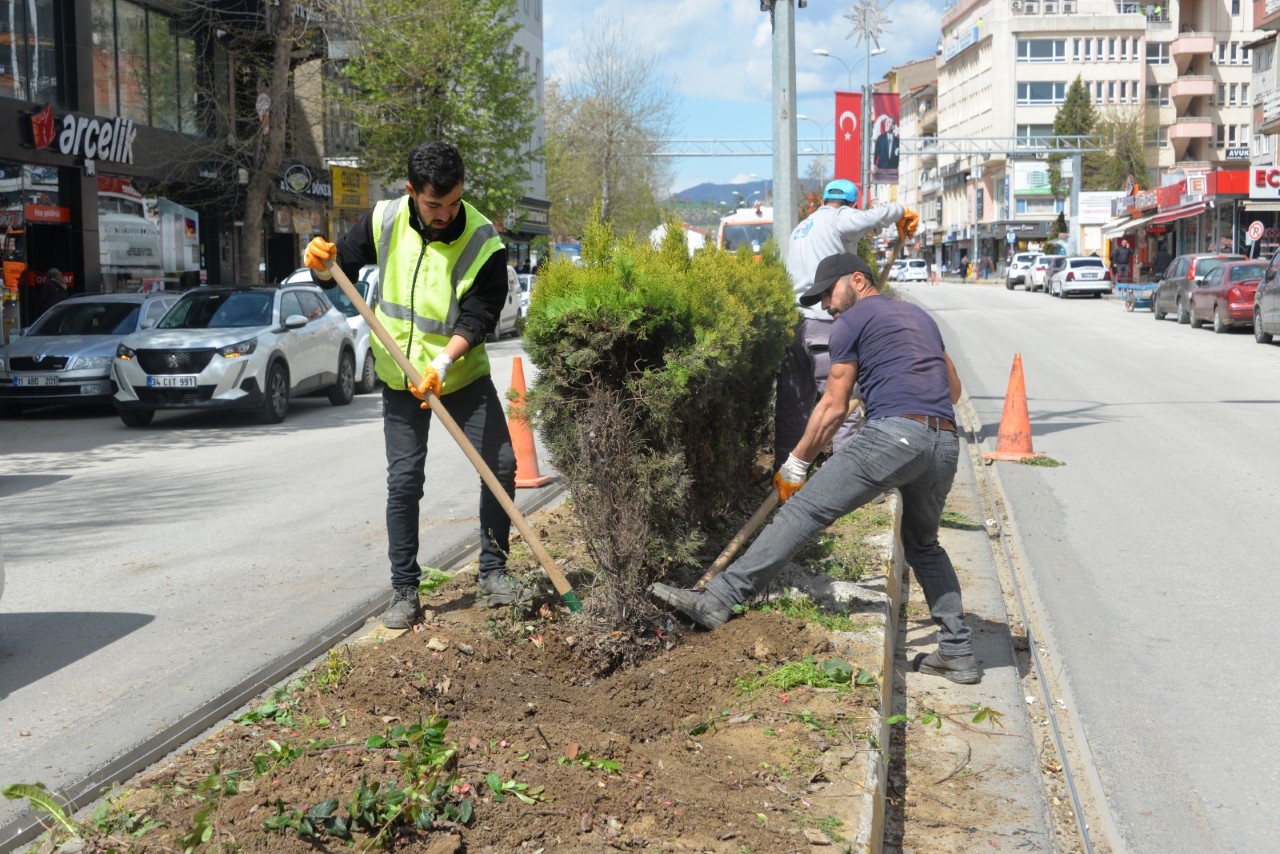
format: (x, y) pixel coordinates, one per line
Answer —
(714, 194)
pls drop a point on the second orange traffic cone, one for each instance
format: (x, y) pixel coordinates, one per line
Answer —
(1014, 441)
(527, 474)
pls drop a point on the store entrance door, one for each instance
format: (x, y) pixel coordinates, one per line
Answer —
(29, 253)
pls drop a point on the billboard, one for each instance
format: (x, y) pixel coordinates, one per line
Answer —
(885, 118)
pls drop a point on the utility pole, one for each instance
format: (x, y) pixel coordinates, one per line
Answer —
(785, 174)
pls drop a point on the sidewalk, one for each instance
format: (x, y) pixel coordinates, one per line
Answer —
(966, 786)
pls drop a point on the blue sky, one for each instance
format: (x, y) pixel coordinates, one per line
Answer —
(717, 58)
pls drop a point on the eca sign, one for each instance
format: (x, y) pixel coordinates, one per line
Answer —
(1265, 183)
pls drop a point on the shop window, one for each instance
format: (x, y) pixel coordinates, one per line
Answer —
(104, 58)
(29, 59)
(131, 60)
(144, 68)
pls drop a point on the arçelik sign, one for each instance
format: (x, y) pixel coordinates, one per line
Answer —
(82, 136)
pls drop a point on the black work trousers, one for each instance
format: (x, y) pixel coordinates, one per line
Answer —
(478, 410)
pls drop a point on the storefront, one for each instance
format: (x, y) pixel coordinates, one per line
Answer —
(300, 210)
(530, 220)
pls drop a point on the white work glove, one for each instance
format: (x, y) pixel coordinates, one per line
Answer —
(433, 379)
(790, 477)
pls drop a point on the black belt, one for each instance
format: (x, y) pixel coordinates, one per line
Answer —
(933, 422)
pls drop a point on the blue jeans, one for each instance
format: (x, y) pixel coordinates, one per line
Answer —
(889, 453)
(478, 410)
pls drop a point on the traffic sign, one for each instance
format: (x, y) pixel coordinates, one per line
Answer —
(1256, 228)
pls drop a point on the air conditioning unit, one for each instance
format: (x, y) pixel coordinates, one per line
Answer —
(1016, 5)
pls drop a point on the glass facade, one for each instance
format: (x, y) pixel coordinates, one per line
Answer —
(144, 67)
(29, 51)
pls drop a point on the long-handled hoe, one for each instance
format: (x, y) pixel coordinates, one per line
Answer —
(486, 474)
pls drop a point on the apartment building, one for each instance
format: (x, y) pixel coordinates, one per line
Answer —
(1004, 67)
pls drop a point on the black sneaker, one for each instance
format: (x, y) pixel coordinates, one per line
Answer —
(404, 609)
(500, 587)
(698, 605)
(962, 669)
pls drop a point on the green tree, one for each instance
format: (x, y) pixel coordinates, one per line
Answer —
(603, 131)
(1123, 131)
(446, 71)
(1076, 116)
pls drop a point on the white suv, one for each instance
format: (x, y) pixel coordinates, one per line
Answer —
(1020, 269)
(236, 348)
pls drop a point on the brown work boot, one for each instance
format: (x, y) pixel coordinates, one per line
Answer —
(698, 605)
(962, 669)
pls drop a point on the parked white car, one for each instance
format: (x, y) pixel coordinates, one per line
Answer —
(509, 319)
(367, 286)
(527, 281)
(1020, 269)
(895, 270)
(236, 348)
(914, 270)
(1081, 275)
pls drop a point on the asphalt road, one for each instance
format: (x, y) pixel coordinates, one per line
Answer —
(150, 570)
(1145, 548)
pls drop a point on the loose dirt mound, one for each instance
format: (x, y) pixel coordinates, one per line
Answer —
(672, 755)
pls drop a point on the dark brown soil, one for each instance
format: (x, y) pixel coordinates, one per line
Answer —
(701, 765)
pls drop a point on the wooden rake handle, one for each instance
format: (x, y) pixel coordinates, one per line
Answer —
(726, 556)
(437, 408)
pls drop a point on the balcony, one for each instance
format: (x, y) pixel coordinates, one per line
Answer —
(1184, 89)
(929, 122)
(1185, 130)
(1187, 46)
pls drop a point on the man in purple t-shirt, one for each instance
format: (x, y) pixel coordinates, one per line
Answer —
(894, 351)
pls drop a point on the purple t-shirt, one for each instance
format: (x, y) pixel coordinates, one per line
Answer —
(899, 352)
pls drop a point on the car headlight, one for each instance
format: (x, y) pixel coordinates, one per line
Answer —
(126, 353)
(84, 363)
(240, 348)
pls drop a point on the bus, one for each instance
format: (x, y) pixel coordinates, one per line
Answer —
(750, 226)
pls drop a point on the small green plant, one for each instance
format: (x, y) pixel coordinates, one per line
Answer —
(501, 788)
(830, 827)
(111, 818)
(336, 667)
(43, 800)
(846, 550)
(582, 760)
(710, 724)
(432, 578)
(279, 709)
(959, 521)
(829, 673)
(1043, 462)
(934, 718)
(805, 609)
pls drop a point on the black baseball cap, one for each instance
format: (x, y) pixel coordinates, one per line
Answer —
(831, 270)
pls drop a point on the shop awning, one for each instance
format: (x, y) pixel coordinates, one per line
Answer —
(1261, 205)
(1113, 230)
(1180, 213)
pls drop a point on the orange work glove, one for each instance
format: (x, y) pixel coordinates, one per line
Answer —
(907, 225)
(319, 253)
(790, 477)
(432, 379)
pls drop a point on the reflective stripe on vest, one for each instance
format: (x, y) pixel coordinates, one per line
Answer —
(419, 314)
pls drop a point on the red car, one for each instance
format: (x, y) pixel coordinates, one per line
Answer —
(1225, 295)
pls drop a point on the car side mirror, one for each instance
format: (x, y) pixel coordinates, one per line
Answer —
(147, 323)
(295, 321)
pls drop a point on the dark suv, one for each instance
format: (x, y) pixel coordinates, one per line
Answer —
(1266, 303)
(1173, 291)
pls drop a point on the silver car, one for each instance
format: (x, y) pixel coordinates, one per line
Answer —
(66, 355)
(237, 348)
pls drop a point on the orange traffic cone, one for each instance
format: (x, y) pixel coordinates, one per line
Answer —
(1014, 441)
(527, 474)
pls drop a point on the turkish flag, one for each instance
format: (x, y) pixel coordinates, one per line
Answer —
(43, 127)
(849, 137)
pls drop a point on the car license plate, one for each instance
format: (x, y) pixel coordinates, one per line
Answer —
(35, 381)
(1088, 275)
(171, 382)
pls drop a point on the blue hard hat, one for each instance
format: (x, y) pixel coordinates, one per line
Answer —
(841, 190)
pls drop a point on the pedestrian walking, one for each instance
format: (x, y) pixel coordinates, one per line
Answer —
(836, 226)
(985, 266)
(443, 282)
(1120, 258)
(895, 351)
